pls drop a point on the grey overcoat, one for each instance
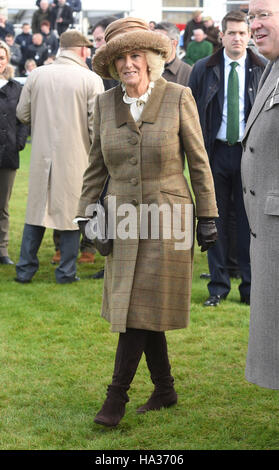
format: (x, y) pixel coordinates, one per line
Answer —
(147, 281)
(260, 178)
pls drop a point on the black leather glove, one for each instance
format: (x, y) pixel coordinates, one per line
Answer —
(206, 233)
(81, 224)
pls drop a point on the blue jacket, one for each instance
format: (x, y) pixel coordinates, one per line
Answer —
(207, 85)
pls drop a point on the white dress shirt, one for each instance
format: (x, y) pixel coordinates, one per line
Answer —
(222, 133)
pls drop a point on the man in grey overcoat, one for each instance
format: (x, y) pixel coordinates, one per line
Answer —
(260, 178)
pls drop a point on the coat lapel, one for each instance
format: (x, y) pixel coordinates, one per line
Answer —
(122, 112)
(150, 112)
(266, 86)
(152, 106)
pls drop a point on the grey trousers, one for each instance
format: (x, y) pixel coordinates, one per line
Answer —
(28, 263)
(7, 177)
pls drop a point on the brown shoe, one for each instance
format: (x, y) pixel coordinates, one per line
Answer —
(113, 408)
(56, 258)
(86, 257)
(159, 400)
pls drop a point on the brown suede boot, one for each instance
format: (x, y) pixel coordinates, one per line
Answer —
(56, 258)
(129, 351)
(160, 398)
(164, 394)
(86, 257)
(113, 408)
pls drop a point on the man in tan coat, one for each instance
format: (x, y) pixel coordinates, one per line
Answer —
(58, 102)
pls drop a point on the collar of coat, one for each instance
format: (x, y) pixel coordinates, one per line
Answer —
(173, 66)
(70, 56)
(217, 58)
(151, 109)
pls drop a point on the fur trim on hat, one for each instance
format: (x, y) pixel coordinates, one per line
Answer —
(127, 42)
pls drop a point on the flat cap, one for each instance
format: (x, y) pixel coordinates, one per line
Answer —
(73, 38)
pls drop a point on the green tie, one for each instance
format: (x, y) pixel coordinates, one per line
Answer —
(233, 106)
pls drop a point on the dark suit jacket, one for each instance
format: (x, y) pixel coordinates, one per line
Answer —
(207, 84)
(67, 15)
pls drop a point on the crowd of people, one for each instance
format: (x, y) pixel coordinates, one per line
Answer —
(39, 41)
(160, 108)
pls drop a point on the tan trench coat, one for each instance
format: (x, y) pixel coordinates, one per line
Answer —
(58, 101)
(147, 282)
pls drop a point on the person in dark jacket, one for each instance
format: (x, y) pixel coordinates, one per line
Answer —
(62, 17)
(98, 33)
(5, 27)
(176, 70)
(212, 33)
(49, 38)
(37, 50)
(44, 12)
(24, 40)
(195, 23)
(13, 136)
(209, 82)
(74, 4)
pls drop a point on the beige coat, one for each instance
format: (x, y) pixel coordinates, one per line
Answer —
(58, 101)
(147, 282)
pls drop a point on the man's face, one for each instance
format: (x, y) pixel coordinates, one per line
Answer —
(198, 19)
(99, 37)
(45, 29)
(235, 39)
(37, 39)
(44, 5)
(199, 35)
(26, 29)
(9, 40)
(265, 30)
(61, 2)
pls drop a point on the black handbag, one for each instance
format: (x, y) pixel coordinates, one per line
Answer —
(96, 228)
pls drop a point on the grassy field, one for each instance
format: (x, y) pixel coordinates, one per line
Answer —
(56, 359)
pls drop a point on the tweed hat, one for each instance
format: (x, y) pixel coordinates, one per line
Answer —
(125, 35)
(73, 38)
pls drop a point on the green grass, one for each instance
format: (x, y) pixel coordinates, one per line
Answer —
(56, 359)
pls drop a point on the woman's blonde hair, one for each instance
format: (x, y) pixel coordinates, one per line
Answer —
(155, 64)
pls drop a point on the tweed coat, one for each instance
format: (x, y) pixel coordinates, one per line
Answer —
(58, 101)
(147, 282)
(260, 177)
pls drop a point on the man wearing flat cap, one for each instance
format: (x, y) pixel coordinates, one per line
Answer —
(57, 100)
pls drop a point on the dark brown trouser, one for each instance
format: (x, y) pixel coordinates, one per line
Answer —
(131, 346)
(7, 177)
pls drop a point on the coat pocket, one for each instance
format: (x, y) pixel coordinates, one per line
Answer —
(272, 205)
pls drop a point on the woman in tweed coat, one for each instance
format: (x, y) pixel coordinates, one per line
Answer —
(141, 130)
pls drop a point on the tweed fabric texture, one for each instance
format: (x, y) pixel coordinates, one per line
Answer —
(147, 282)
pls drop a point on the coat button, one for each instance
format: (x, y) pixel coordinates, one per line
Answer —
(252, 192)
(133, 140)
(252, 150)
(244, 190)
(134, 181)
(133, 161)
